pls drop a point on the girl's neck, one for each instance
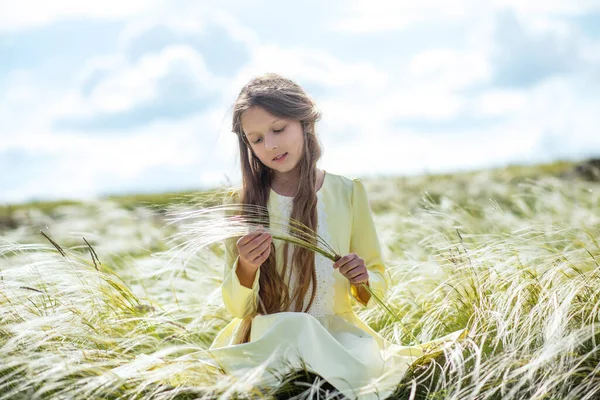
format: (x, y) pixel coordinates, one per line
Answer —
(286, 181)
(286, 178)
(287, 184)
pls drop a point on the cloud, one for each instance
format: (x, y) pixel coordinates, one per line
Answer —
(317, 70)
(408, 152)
(28, 14)
(499, 102)
(72, 165)
(214, 38)
(460, 123)
(166, 68)
(376, 16)
(523, 57)
(56, 50)
(569, 126)
(548, 7)
(171, 84)
(588, 24)
(443, 88)
(160, 113)
(370, 16)
(449, 68)
(30, 166)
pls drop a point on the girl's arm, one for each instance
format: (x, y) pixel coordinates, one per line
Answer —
(365, 243)
(239, 300)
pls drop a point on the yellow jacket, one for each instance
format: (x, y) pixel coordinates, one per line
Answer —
(351, 228)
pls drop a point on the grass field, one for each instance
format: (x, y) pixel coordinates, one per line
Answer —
(511, 254)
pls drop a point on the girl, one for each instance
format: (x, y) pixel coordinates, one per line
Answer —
(293, 307)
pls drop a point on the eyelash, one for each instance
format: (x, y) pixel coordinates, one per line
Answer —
(277, 131)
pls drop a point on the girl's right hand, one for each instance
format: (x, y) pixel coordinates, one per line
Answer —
(254, 249)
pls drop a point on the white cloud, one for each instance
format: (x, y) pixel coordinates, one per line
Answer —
(26, 105)
(128, 86)
(312, 66)
(450, 69)
(384, 15)
(500, 102)
(362, 101)
(16, 100)
(390, 15)
(89, 163)
(422, 101)
(27, 14)
(560, 114)
(235, 29)
(193, 20)
(552, 7)
(405, 152)
(85, 165)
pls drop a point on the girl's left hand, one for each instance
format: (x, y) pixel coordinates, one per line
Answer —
(353, 268)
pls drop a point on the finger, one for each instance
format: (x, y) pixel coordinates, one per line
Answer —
(244, 240)
(351, 265)
(354, 272)
(257, 231)
(259, 249)
(362, 278)
(342, 261)
(244, 244)
(263, 256)
(257, 241)
(350, 271)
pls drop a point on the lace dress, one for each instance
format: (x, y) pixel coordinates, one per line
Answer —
(323, 302)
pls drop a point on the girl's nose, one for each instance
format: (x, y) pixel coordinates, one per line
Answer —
(270, 142)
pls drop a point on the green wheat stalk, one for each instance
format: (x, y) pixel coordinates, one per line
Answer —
(209, 225)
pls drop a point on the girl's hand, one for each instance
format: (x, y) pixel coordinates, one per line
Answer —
(254, 249)
(353, 268)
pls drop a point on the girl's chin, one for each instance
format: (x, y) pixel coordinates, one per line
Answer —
(286, 166)
(282, 169)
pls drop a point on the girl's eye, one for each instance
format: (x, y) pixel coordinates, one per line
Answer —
(275, 131)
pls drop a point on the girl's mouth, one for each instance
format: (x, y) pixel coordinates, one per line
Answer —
(281, 158)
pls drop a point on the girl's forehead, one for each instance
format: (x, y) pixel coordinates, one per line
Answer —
(257, 114)
(256, 119)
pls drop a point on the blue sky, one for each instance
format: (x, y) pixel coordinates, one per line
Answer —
(135, 96)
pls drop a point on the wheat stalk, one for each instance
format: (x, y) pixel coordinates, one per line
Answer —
(208, 225)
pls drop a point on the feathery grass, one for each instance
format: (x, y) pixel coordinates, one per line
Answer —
(130, 313)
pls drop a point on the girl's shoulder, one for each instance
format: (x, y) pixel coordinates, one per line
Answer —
(343, 185)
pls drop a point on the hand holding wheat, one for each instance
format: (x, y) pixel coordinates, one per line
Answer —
(254, 248)
(353, 268)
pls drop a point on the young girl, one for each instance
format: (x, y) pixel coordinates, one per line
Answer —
(292, 306)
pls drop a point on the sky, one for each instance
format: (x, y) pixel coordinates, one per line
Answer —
(135, 96)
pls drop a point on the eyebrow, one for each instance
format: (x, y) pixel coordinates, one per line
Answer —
(272, 122)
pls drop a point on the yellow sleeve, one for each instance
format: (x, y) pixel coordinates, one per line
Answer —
(365, 243)
(239, 300)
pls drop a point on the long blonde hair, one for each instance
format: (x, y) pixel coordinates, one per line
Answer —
(285, 99)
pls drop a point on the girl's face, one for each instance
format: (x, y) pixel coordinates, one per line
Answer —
(271, 137)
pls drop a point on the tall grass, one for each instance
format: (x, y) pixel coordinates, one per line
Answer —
(516, 261)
